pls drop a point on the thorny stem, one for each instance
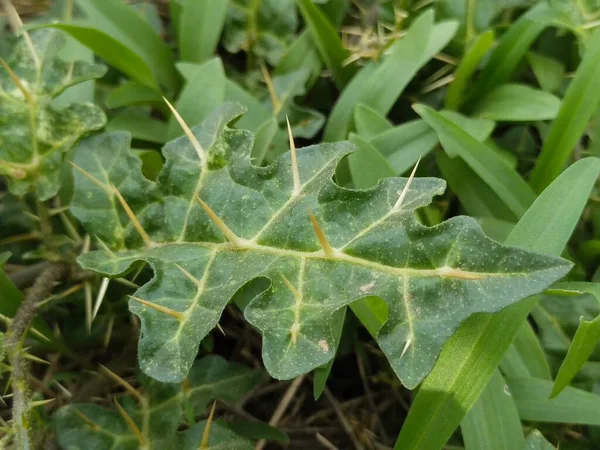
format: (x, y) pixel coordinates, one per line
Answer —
(13, 343)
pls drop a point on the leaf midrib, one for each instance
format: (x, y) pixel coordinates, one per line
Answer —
(441, 272)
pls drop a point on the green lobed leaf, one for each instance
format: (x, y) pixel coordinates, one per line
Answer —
(33, 134)
(162, 410)
(380, 250)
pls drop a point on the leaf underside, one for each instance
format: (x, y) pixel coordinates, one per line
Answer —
(432, 279)
(33, 134)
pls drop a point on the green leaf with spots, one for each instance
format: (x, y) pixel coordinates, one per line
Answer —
(366, 243)
(160, 412)
(33, 134)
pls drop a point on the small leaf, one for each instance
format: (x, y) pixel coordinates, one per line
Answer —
(35, 137)
(517, 102)
(220, 438)
(263, 28)
(122, 23)
(251, 223)
(369, 123)
(548, 71)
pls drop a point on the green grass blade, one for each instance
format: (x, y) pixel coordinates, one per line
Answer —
(510, 51)
(202, 93)
(466, 68)
(124, 24)
(500, 177)
(493, 421)
(478, 346)
(114, 52)
(526, 358)
(328, 42)
(575, 406)
(367, 165)
(584, 342)
(579, 104)
(514, 102)
(370, 123)
(200, 27)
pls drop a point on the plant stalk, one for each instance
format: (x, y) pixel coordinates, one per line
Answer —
(13, 345)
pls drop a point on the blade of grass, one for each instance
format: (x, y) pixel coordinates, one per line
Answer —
(499, 176)
(510, 51)
(584, 342)
(328, 42)
(574, 406)
(493, 421)
(200, 26)
(579, 104)
(476, 349)
(122, 22)
(466, 69)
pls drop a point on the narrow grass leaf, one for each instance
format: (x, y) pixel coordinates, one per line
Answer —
(467, 67)
(121, 21)
(113, 51)
(141, 126)
(584, 342)
(328, 42)
(574, 406)
(578, 105)
(201, 95)
(500, 177)
(513, 102)
(131, 93)
(367, 165)
(526, 358)
(369, 122)
(511, 49)
(200, 27)
(493, 421)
